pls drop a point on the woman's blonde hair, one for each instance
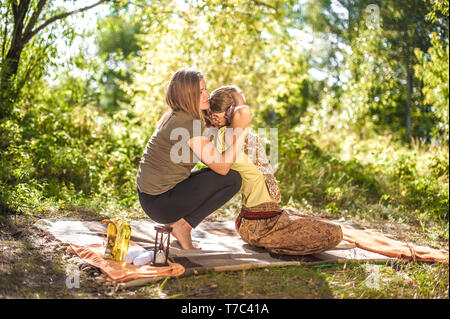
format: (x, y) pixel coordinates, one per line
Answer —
(220, 100)
(183, 92)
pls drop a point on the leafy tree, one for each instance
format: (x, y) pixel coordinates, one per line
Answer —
(118, 43)
(439, 10)
(231, 42)
(399, 28)
(22, 23)
(433, 71)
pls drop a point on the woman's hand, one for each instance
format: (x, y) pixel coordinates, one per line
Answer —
(229, 114)
(243, 115)
(219, 119)
(238, 98)
(241, 118)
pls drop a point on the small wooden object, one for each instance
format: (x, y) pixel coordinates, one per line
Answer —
(162, 242)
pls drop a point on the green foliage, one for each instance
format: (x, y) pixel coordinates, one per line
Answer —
(433, 71)
(118, 43)
(379, 59)
(427, 193)
(439, 10)
(241, 43)
(340, 145)
(321, 178)
(63, 151)
(375, 95)
(27, 43)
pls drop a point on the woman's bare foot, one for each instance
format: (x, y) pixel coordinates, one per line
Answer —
(182, 232)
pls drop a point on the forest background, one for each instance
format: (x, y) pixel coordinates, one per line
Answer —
(358, 91)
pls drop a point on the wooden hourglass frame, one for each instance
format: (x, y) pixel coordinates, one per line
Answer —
(161, 245)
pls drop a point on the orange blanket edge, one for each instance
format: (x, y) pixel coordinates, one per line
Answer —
(378, 243)
(121, 271)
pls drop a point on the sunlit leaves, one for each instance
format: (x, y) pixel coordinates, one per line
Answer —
(433, 71)
(234, 42)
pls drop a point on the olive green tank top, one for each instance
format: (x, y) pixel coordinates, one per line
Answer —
(167, 158)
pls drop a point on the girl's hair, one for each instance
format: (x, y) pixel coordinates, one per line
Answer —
(220, 100)
(183, 92)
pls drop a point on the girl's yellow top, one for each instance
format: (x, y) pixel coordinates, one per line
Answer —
(254, 190)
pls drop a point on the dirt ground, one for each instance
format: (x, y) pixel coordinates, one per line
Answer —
(32, 265)
(35, 265)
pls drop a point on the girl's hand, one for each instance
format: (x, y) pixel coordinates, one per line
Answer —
(239, 98)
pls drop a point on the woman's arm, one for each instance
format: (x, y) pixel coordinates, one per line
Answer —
(209, 155)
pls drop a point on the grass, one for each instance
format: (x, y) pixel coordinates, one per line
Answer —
(347, 281)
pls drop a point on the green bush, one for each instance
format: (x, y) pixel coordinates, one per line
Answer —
(58, 151)
(308, 172)
(421, 183)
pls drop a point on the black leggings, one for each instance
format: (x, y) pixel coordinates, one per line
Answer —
(193, 199)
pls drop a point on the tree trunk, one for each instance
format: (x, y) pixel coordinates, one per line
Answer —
(11, 64)
(408, 97)
(408, 52)
(8, 93)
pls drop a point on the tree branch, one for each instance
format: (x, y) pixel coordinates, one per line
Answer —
(14, 8)
(35, 16)
(261, 3)
(28, 36)
(23, 8)
(30, 67)
(19, 12)
(5, 32)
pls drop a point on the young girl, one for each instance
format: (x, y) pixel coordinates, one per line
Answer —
(261, 222)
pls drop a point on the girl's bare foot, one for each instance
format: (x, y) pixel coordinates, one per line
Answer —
(182, 232)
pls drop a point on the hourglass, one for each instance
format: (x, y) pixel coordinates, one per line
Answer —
(162, 242)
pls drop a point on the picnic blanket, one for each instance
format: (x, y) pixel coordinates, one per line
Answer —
(224, 250)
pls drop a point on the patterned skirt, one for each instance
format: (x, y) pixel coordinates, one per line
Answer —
(287, 232)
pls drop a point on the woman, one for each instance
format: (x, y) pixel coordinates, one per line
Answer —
(169, 192)
(261, 221)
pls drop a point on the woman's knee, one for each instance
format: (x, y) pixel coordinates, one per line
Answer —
(234, 179)
(335, 235)
(338, 234)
